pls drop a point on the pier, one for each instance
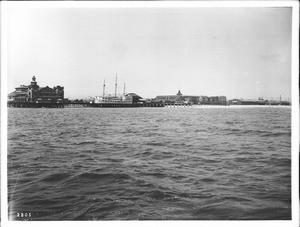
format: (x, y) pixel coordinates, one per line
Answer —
(82, 105)
(34, 96)
(35, 105)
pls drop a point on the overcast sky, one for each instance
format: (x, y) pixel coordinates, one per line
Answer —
(236, 52)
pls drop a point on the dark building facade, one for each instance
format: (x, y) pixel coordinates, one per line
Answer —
(34, 93)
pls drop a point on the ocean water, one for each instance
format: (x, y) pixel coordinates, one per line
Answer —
(224, 163)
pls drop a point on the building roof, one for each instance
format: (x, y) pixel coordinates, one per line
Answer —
(191, 96)
(167, 97)
(133, 95)
(47, 88)
(22, 86)
(179, 93)
(14, 94)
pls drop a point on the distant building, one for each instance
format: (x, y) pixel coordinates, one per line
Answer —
(34, 93)
(235, 102)
(189, 99)
(248, 102)
(203, 100)
(171, 99)
(222, 99)
(213, 100)
(192, 99)
(134, 97)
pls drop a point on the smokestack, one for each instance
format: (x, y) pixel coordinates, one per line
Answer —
(124, 88)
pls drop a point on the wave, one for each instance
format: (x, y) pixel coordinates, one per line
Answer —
(276, 134)
(85, 142)
(55, 177)
(207, 180)
(258, 132)
(204, 164)
(101, 176)
(156, 144)
(157, 194)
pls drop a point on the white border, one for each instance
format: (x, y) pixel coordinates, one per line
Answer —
(3, 14)
(295, 115)
(150, 4)
(295, 108)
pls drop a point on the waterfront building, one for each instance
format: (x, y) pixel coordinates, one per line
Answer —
(195, 100)
(203, 100)
(190, 99)
(248, 102)
(34, 93)
(254, 102)
(217, 100)
(213, 99)
(171, 99)
(222, 99)
(235, 102)
(134, 97)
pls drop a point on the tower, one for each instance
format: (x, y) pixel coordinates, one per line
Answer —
(116, 85)
(179, 93)
(33, 89)
(103, 89)
(33, 82)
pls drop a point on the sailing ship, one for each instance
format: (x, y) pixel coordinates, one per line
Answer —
(122, 99)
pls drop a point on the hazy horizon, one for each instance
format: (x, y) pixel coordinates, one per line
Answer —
(235, 52)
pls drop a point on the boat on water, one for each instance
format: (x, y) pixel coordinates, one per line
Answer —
(120, 99)
(117, 100)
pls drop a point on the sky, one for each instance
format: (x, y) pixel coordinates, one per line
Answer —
(235, 52)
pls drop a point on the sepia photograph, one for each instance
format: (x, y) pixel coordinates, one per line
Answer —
(150, 111)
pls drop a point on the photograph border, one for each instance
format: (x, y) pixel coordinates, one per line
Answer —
(5, 6)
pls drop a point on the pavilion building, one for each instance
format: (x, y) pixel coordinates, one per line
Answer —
(34, 93)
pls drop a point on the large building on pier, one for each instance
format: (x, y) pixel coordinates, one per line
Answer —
(179, 98)
(34, 93)
(171, 99)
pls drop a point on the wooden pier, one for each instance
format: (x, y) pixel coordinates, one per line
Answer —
(35, 105)
(82, 105)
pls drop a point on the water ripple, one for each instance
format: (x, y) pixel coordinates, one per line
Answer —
(150, 163)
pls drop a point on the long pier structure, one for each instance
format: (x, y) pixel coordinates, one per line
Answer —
(82, 105)
(34, 96)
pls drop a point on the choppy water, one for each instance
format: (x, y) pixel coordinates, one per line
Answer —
(150, 163)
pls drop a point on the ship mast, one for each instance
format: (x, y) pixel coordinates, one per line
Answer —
(124, 89)
(116, 85)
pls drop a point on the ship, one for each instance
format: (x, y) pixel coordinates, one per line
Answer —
(117, 100)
